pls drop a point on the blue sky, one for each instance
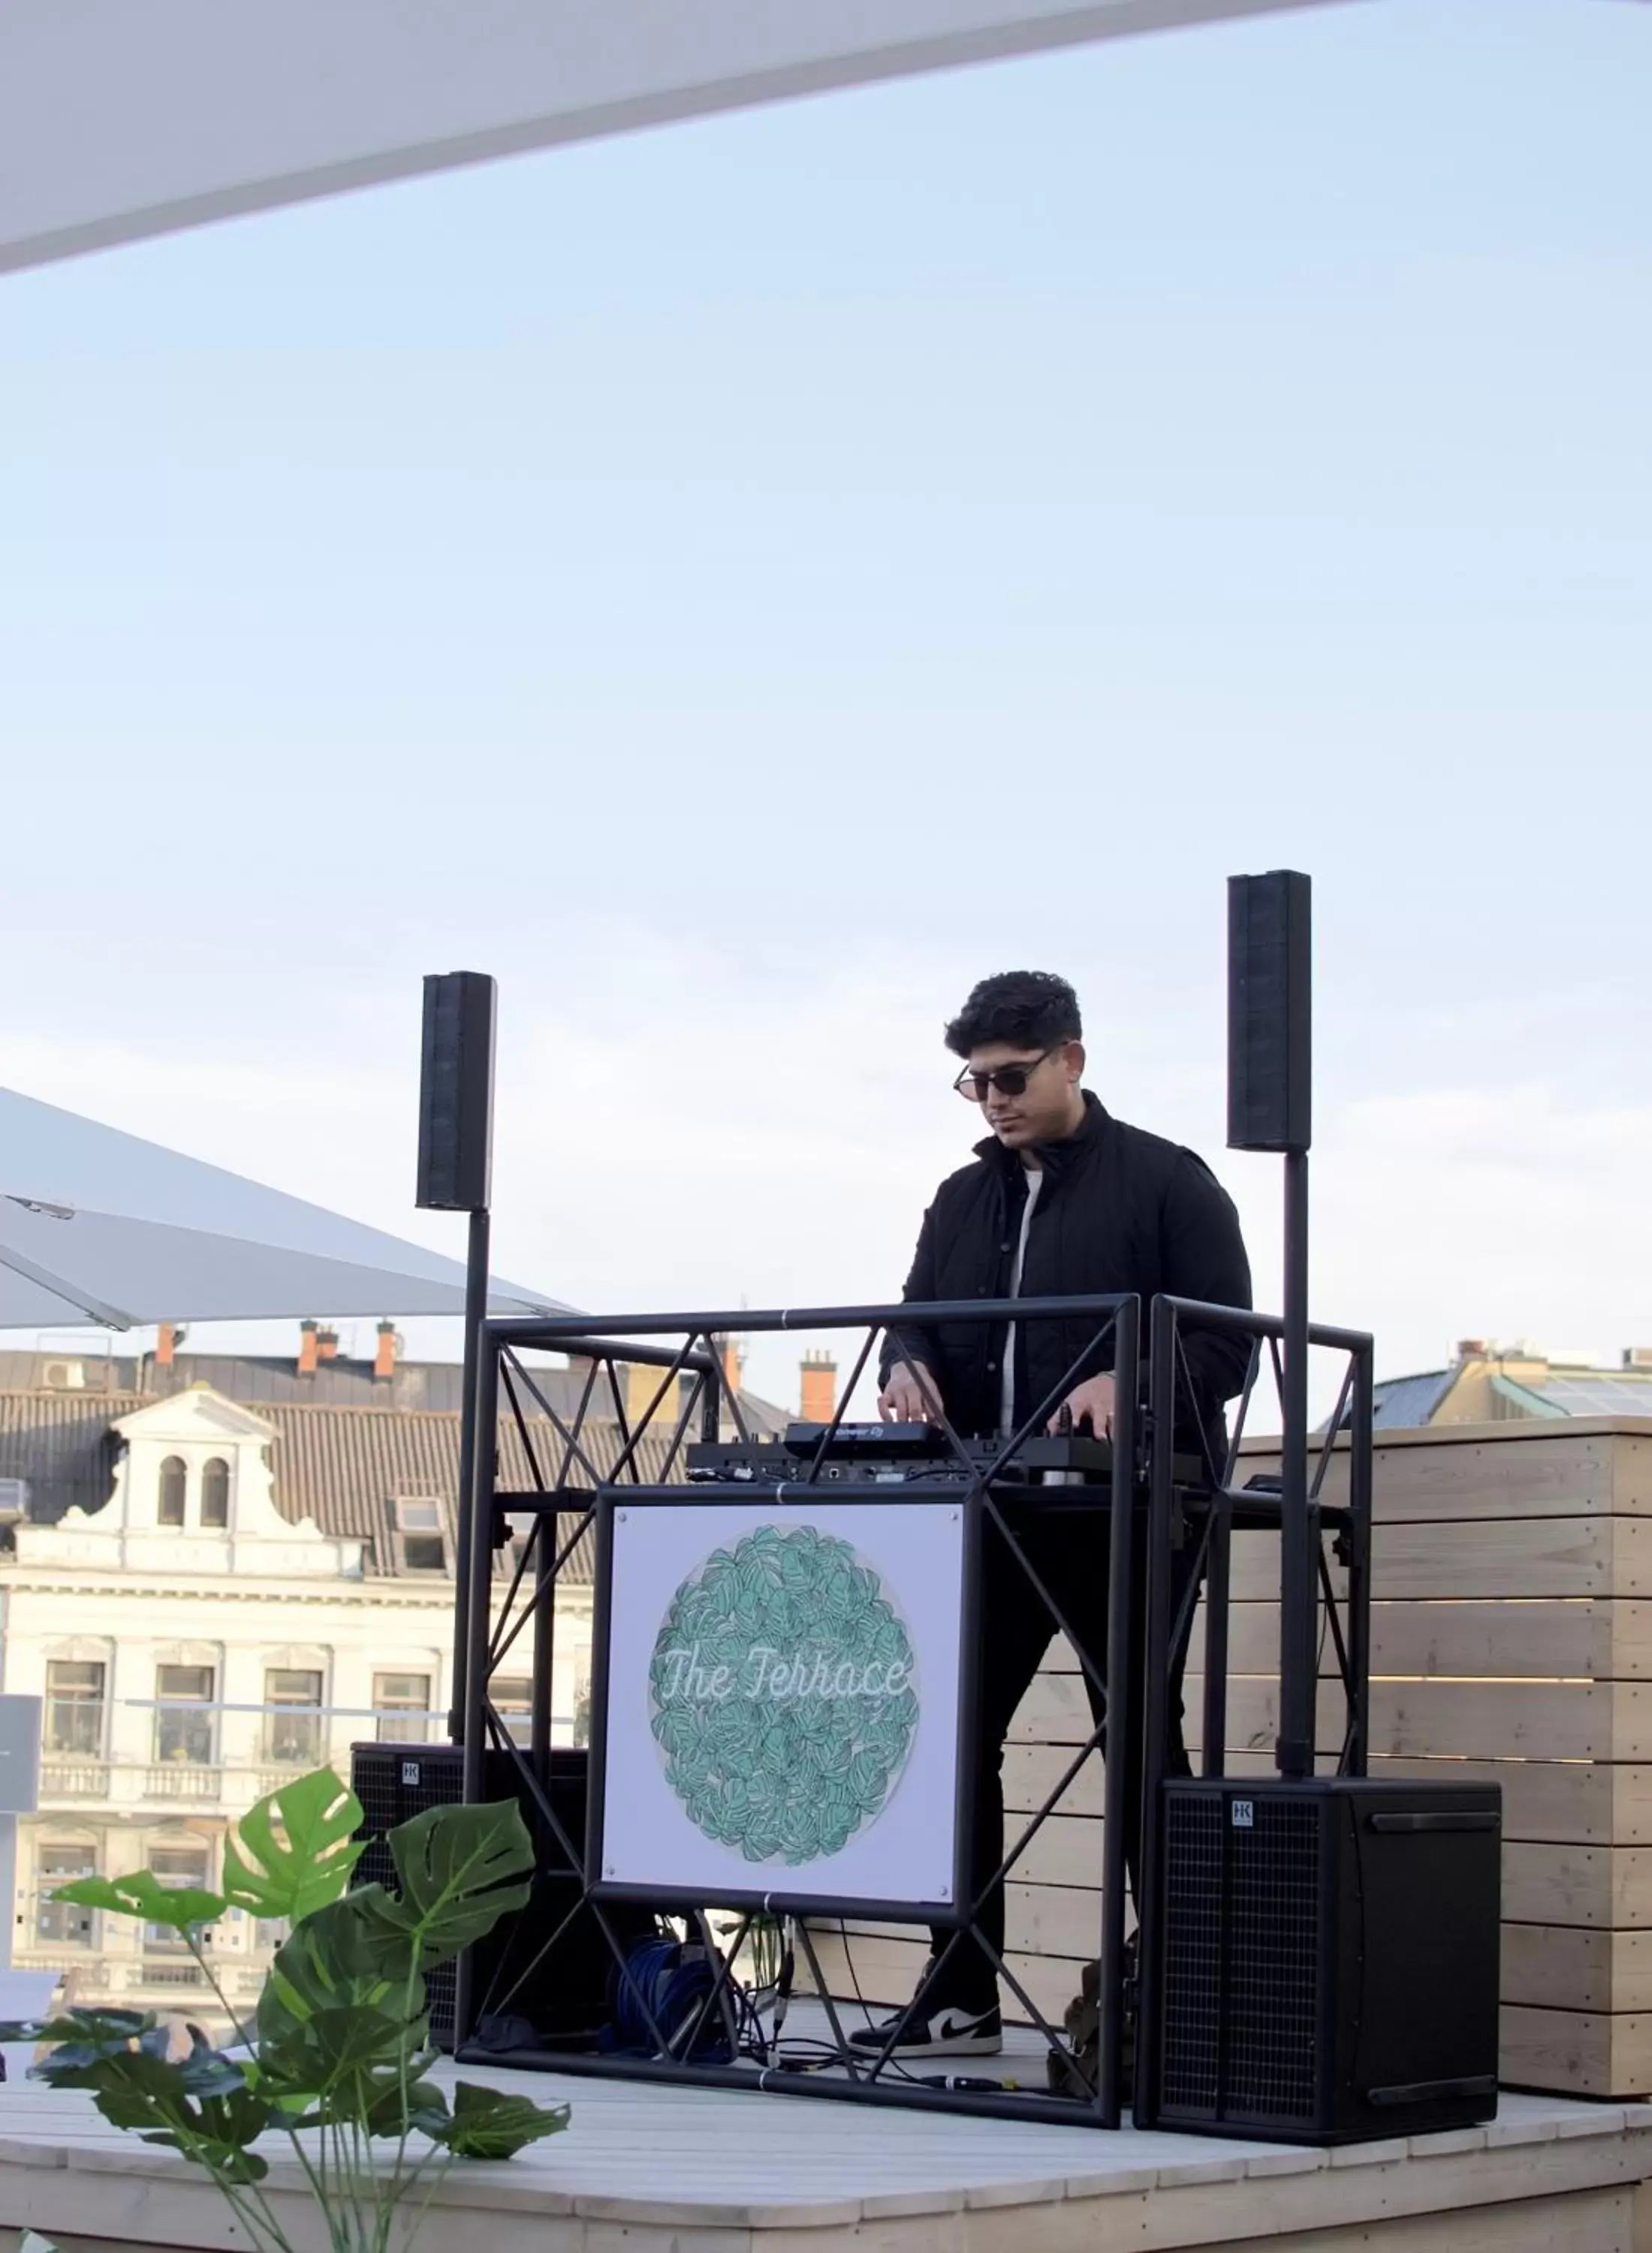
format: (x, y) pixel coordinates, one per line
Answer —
(741, 582)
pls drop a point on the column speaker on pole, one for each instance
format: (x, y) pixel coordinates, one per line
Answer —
(1269, 1061)
(456, 1093)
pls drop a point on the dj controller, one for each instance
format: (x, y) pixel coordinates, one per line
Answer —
(893, 1454)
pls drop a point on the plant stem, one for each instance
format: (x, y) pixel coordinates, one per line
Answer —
(437, 2181)
(199, 1954)
(253, 2218)
(248, 2041)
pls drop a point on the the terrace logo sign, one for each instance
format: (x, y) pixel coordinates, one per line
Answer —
(783, 1695)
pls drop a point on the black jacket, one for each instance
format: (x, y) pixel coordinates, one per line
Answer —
(1118, 1211)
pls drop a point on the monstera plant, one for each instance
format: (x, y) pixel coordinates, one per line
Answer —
(336, 2057)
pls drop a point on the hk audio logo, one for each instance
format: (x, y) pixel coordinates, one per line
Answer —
(1244, 1815)
(783, 1695)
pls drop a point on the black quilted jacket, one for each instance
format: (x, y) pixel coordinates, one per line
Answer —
(1118, 1211)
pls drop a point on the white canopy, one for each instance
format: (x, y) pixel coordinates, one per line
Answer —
(125, 118)
(98, 1226)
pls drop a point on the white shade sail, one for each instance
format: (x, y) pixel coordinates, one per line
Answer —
(125, 118)
(98, 1226)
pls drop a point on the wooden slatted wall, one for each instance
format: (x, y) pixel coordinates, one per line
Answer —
(1512, 1641)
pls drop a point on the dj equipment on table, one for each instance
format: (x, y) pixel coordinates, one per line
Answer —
(1329, 1958)
(897, 1453)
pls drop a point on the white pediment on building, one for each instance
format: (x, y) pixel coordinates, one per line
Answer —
(196, 1413)
(193, 1492)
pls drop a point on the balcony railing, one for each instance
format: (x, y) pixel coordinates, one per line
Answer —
(183, 1779)
(62, 1778)
(275, 1777)
(151, 1974)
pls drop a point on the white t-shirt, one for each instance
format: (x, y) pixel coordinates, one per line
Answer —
(1006, 1390)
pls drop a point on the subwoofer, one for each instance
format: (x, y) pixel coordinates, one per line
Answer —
(1328, 1969)
(542, 1978)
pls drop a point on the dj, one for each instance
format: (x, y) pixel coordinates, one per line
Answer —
(1061, 1198)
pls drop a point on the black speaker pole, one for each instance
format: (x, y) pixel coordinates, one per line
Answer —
(456, 1165)
(1270, 1108)
(475, 1307)
(1299, 1594)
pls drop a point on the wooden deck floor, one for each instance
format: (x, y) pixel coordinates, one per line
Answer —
(647, 2169)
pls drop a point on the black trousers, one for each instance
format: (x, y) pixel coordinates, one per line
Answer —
(1069, 1551)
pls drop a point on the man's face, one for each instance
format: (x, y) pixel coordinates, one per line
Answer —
(1041, 1111)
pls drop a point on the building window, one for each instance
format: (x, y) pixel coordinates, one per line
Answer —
(215, 1494)
(512, 1700)
(74, 1707)
(173, 1482)
(184, 1698)
(176, 1866)
(403, 1705)
(583, 1699)
(419, 1525)
(60, 1924)
(292, 1734)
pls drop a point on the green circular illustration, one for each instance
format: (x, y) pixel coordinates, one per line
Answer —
(783, 1695)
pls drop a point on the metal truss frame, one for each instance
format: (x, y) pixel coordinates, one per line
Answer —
(1171, 1503)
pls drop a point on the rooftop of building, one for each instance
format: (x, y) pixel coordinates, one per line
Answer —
(1520, 1380)
(345, 1468)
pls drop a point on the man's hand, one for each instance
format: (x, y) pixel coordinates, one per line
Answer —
(911, 1396)
(1094, 1399)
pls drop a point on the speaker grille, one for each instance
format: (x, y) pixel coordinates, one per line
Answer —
(1241, 1955)
(1194, 1829)
(394, 1784)
(1274, 1990)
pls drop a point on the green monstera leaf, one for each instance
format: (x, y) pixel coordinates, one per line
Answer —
(91, 2031)
(178, 1908)
(488, 2123)
(342, 2007)
(347, 1955)
(199, 2104)
(461, 1868)
(346, 2064)
(305, 1863)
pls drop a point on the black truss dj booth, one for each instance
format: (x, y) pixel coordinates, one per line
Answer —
(1316, 1952)
(1217, 2048)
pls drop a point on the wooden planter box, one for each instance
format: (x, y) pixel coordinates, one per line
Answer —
(1511, 1642)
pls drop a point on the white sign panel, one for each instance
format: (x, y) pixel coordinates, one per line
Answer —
(782, 1708)
(19, 1754)
(125, 118)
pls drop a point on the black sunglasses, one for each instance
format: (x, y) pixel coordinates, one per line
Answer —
(1008, 1080)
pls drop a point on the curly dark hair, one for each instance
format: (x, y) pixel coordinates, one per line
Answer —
(1029, 1008)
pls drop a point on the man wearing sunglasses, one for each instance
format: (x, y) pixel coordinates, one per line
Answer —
(1061, 1199)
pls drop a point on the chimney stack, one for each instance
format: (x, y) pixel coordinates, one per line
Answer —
(642, 1382)
(384, 1363)
(733, 1363)
(166, 1345)
(326, 1345)
(307, 1350)
(819, 1393)
(1473, 1349)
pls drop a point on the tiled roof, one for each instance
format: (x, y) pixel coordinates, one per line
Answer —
(257, 1381)
(1403, 1403)
(343, 1468)
(1593, 1392)
(62, 1444)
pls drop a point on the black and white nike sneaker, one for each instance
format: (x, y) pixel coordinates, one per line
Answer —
(945, 2030)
